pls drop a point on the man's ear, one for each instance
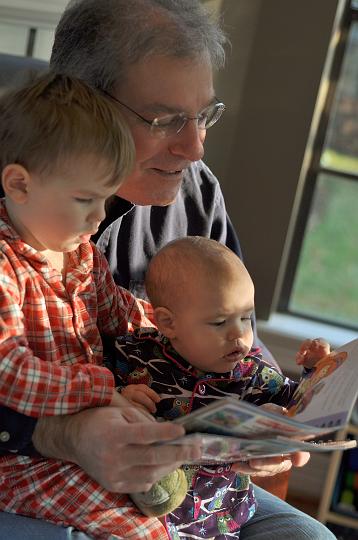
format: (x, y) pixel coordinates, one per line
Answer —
(15, 182)
(165, 321)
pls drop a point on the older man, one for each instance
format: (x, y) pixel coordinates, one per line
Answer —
(155, 59)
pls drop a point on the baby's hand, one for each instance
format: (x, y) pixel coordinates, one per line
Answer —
(118, 400)
(311, 351)
(142, 395)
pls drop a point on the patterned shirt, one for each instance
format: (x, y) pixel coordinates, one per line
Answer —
(219, 501)
(52, 364)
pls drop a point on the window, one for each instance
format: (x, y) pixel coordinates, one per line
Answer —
(23, 40)
(322, 273)
(13, 39)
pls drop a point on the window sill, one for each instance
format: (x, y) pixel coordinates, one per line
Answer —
(299, 328)
(283, 334)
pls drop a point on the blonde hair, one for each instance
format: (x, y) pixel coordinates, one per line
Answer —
(56, 118)
(183, 260)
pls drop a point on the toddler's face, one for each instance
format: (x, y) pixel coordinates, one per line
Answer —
(213, 330)
(65, 208)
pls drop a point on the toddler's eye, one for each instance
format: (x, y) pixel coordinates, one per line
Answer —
(83, 201)
(218, 323)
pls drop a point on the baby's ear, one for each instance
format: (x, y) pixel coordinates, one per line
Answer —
(165, 321)
(15, 181)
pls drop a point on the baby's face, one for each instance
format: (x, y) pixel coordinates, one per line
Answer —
(213, 329)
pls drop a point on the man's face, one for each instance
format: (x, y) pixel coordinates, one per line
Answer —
(156, 87)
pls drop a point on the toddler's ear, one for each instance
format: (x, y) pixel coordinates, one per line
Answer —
(165, 321)
(15, 180)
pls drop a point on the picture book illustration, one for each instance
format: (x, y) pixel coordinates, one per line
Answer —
(229, 429)
(314, 382)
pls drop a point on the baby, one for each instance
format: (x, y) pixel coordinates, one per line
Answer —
(203, 300)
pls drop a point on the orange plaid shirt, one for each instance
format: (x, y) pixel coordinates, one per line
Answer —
(51, 364)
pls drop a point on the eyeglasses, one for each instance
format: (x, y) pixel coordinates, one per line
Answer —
(172, 124)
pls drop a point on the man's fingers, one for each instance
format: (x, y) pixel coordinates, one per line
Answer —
(160, 455)
(140, 433)
(134, 415)
(145, 465)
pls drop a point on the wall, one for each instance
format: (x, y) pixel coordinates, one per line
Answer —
(270, 86)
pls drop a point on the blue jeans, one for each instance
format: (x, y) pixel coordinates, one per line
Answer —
(274, 520)
(277, 520)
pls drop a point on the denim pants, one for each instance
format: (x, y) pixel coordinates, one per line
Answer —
(274, 520)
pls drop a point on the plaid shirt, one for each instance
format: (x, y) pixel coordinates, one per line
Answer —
(51, 364)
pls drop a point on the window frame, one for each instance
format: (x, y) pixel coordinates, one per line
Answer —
(313, 168)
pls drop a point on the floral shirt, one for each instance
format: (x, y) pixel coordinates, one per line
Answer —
(219, 501)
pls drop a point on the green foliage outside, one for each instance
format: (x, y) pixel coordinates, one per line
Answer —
(326, 284)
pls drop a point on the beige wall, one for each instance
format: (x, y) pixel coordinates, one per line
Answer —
(270, 86)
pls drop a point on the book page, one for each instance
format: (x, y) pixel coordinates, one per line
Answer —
(325, 398)
(224, 449)
(322, 404)
(238, 418)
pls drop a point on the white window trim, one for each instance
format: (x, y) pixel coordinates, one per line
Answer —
(283, 334)
(39, 13)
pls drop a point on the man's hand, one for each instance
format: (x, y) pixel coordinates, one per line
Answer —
(113, 445)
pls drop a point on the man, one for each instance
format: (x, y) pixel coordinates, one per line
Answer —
(155, 59)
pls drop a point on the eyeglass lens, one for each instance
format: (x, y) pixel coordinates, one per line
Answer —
(174, 124)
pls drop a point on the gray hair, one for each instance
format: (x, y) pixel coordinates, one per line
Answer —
(97, 40)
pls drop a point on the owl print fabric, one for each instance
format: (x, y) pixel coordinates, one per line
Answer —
(219, 501)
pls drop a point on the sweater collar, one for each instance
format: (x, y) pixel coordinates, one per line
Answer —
(171, 354)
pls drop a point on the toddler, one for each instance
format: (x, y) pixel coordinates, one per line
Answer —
(63, 151)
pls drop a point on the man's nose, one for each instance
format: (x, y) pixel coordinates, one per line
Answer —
(188, 144)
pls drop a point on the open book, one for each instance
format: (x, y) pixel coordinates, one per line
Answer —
(233, 430)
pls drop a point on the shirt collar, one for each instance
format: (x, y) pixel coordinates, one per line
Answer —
(115, 208)
(80, 260)
(175, 357)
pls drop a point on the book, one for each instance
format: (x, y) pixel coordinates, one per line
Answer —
(230, 429)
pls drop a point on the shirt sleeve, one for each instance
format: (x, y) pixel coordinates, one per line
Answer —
(268, 385)
(222, 228)
(119, 311)
(35, 386)
(16, 432)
